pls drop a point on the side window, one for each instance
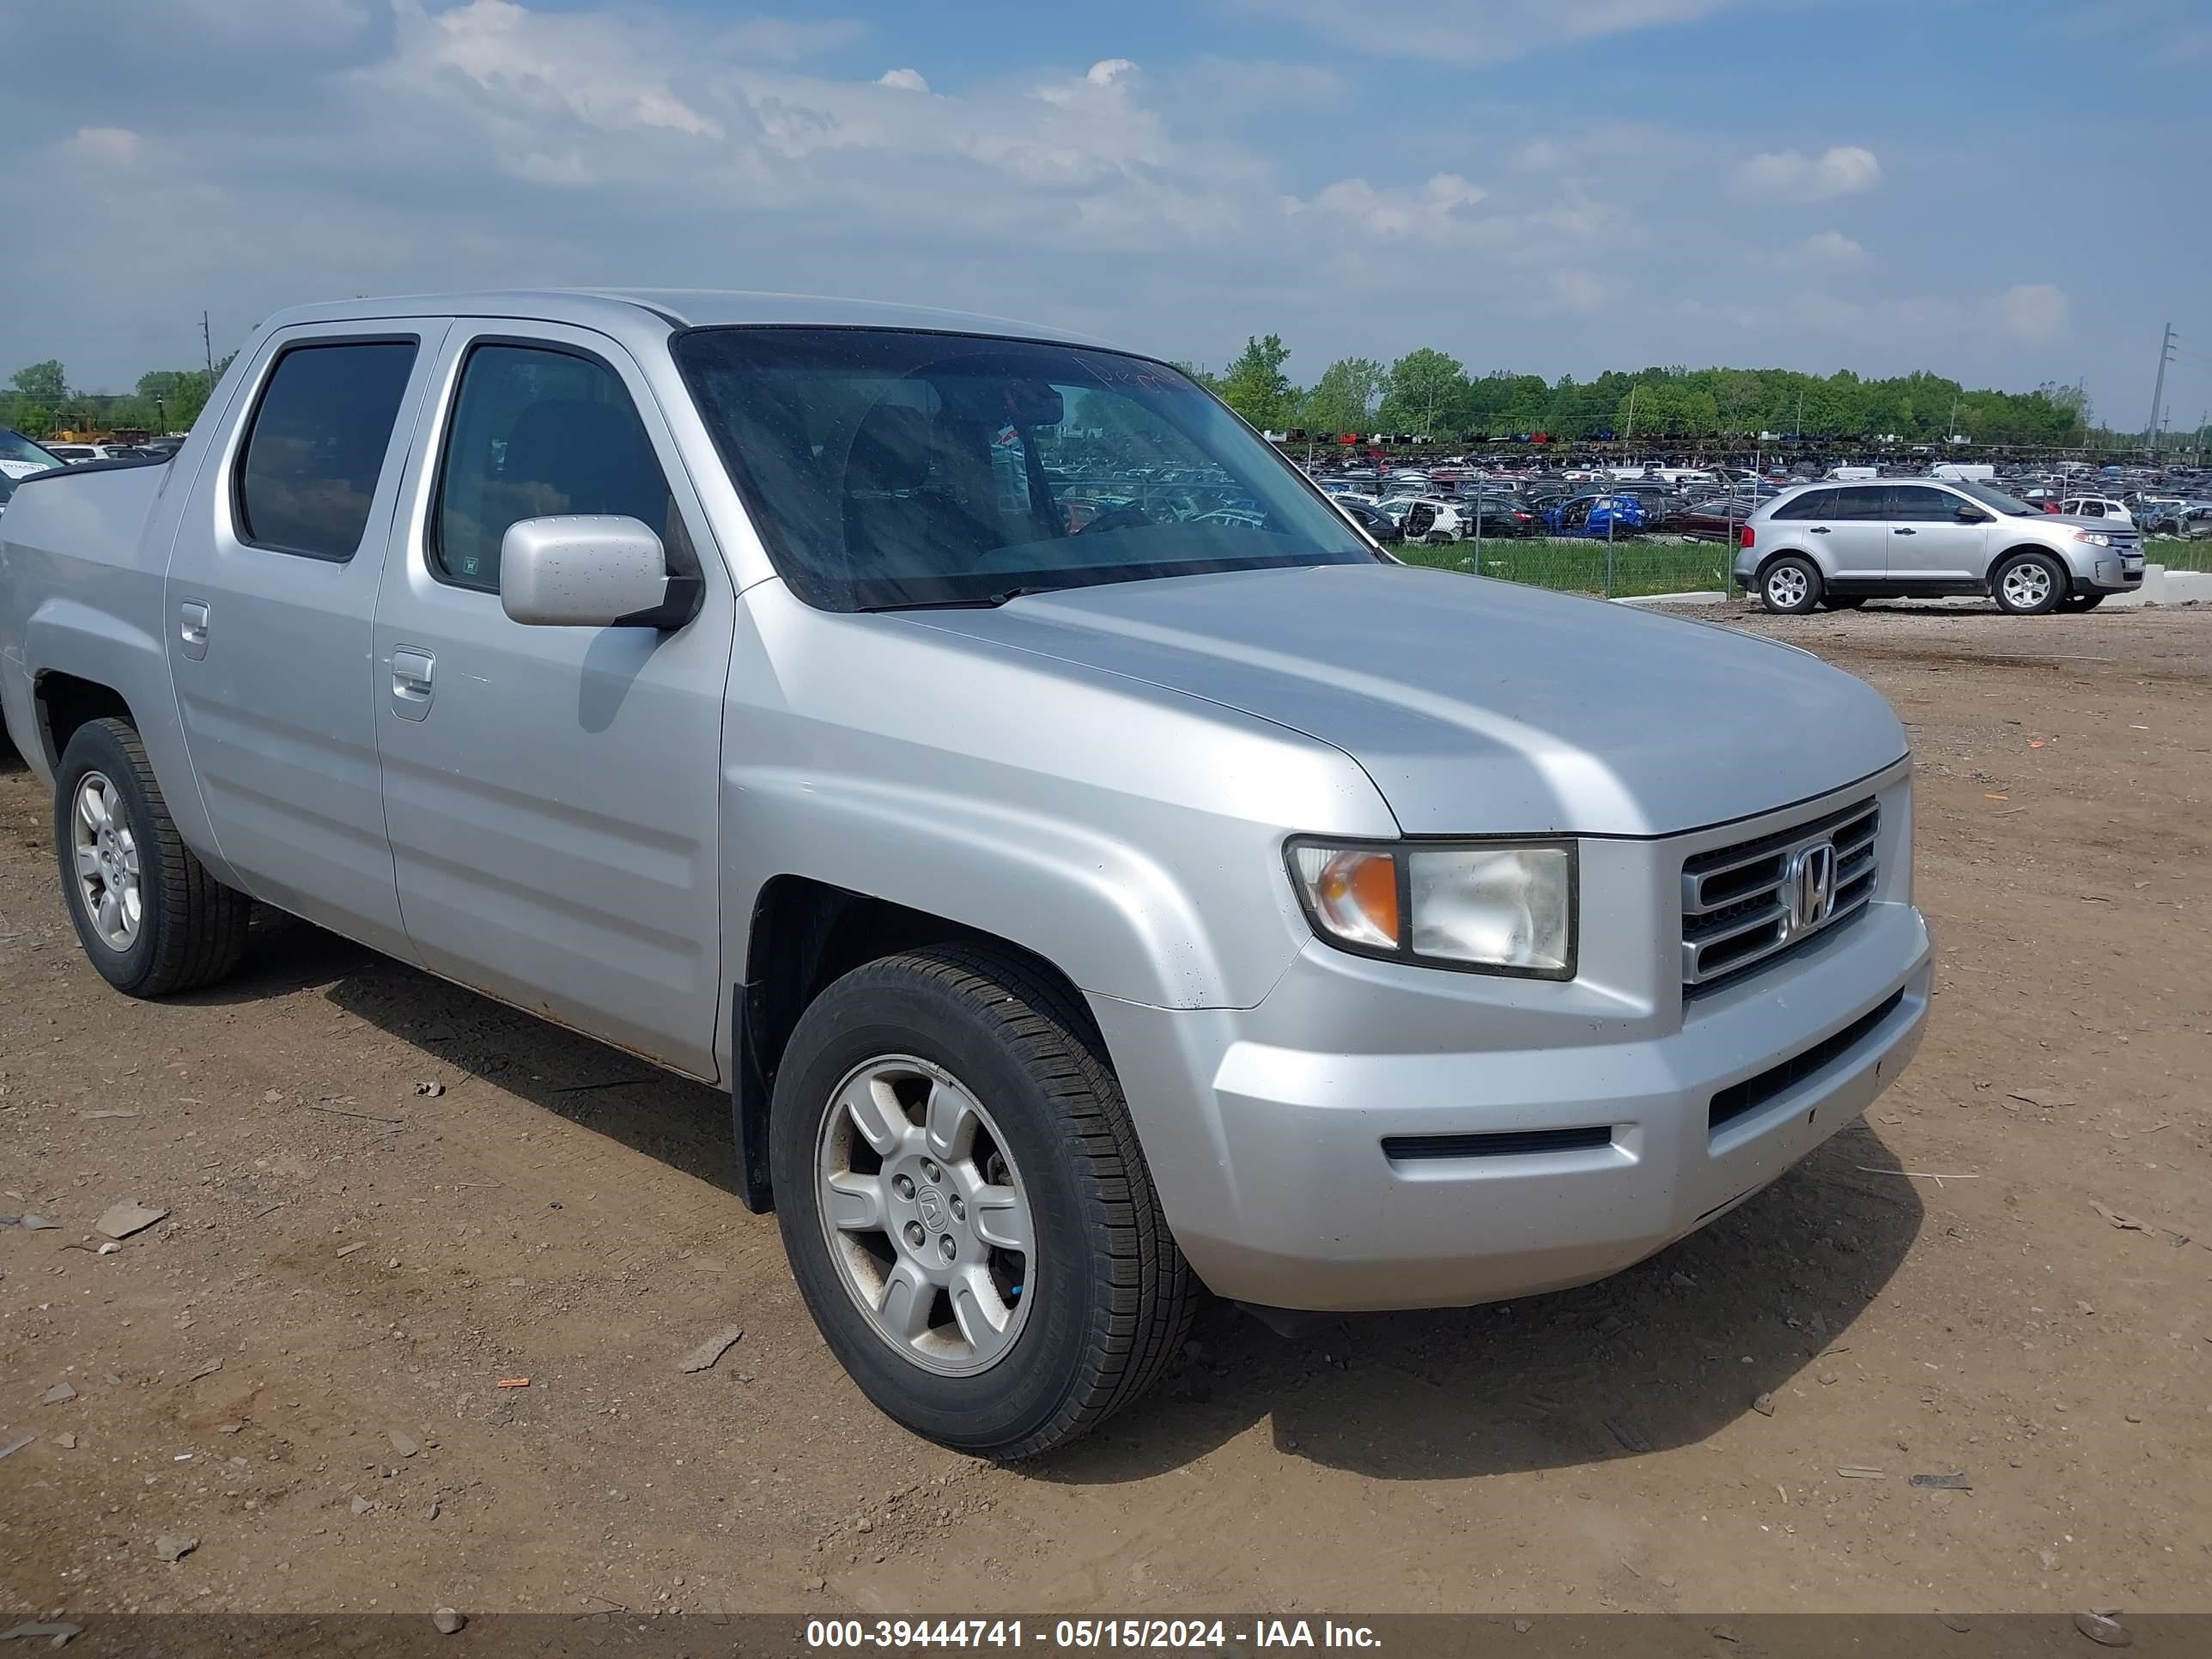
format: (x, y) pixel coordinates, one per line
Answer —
(315, 450)
(1918, 504)
(1813, 504)
(1860, 501)
(537, 431)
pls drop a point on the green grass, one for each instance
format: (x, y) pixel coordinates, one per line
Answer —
(2171, 551)
(1639, 567)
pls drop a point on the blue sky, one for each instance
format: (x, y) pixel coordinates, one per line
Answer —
(2006, 190)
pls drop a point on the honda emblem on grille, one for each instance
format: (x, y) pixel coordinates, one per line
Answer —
(1808, 888)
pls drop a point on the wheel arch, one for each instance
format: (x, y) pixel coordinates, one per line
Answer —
(1773, 555)
(2022, 549)
(64, 703)
(805, 934)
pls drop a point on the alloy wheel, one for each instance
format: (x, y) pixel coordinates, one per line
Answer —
(105, 859)
(926, 1216)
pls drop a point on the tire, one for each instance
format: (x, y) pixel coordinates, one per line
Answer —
(1845, 601)
(1440, 539)
(1101, 1301)
(2083, 602)
(2028, 585)
(185, 929)
(1790, 586)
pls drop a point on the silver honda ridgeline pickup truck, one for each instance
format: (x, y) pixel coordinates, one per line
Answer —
(1095, 869)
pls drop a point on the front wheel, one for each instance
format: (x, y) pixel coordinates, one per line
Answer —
(1790, 586)
(2084, 602)
(2032, 585)
(967, 1211)
(1844, 602)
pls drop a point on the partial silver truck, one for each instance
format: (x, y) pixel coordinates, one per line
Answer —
(1082, 904)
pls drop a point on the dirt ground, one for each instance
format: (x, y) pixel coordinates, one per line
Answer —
(366, 1261)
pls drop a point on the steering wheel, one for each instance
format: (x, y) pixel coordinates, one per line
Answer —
(1128, 516)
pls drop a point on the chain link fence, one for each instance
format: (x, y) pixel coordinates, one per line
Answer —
(1629, 568)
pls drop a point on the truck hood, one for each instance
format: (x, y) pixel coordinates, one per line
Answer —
(1480, 707)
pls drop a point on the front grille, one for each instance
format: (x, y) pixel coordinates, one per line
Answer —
(1737, 911)
(1753, 1092)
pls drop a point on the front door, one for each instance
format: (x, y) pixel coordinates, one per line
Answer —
(1928, 542)
(268, 609)
(553, 792)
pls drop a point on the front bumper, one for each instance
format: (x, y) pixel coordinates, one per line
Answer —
(2109, 572)
(1264, 1129)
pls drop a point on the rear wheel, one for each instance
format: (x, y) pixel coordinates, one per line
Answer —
(966, 1209)
(1790, 586)
(2029, 585)
(149, 916)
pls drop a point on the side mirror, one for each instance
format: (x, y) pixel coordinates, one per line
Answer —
(1972, 515)
(585, 570)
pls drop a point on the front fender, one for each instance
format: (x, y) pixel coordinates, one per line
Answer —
(1128, 833)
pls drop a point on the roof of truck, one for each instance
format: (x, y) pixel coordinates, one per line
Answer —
(619, 311)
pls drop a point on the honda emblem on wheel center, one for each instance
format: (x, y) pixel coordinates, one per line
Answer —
(930, 1205)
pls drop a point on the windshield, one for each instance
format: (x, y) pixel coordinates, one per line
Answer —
(15, 446)
(886, 468)
(1999, 500)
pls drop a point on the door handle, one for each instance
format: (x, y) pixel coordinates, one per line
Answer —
(192, 628)
(1902, 531)
(1820, 530)
(412, 674)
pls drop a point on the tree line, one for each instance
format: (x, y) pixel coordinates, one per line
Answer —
(1426, 393)
(40, 401)
(1430, 393)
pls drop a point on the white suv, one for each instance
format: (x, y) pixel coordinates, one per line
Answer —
(1842, 545)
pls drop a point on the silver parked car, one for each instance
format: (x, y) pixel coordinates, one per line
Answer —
(1079, 909)
(1841, 544)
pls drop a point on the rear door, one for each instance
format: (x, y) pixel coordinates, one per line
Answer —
(271, 597)
(553, 792)
(1928, 542)
(1843, 526)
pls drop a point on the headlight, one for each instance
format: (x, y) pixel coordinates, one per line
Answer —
(1481, 907)
(2094, 538)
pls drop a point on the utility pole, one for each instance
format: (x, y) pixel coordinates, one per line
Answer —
(207, 344)
(2158, 391)
(1629, 436)
(1801, 414)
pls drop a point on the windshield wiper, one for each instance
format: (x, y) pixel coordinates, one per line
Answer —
(979, 602)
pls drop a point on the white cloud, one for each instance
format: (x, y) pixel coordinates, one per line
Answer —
(1575, 292)
(583, 66)
(2029, 314)
(2033, 312)
(102, 147)
(905, 80)
(1845, 170)
(1827, 250)
(1480, 31)
(1430, 212)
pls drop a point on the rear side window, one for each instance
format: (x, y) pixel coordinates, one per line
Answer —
(317, 444)
(1922, 505)
(537, 431)
(1813, 504)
